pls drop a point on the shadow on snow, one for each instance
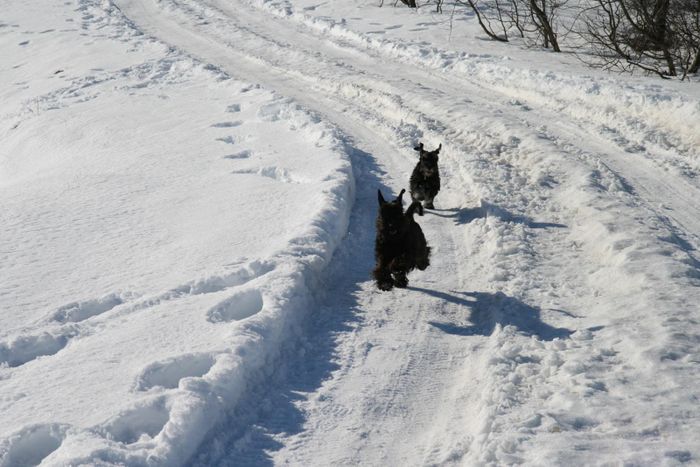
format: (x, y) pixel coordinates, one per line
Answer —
(489, 309)
(250, 434)
(466, 215)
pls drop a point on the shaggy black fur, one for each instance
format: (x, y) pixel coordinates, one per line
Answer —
(400, 245)
(425, 179)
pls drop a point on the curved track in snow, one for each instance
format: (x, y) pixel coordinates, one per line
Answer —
(549, 247)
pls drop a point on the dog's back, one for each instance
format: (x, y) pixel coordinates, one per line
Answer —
(400, 245)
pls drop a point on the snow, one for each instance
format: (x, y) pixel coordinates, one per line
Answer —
(188, 195)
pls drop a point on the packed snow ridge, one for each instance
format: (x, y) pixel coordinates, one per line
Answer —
(188, 196)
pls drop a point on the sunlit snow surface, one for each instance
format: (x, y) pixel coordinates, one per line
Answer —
(187, 203)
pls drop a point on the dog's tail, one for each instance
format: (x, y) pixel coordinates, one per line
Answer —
(415, 206)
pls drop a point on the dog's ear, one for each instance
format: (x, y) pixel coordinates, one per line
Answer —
(399, 198)
(419, 148)
(381, 199)
(438, 149)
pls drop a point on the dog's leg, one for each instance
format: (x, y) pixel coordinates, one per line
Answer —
(398, 269)
(416, 199)
(429, 203)
(415, 206)
(423, 258)
(384, 281)
(382, 275)
(400, 280)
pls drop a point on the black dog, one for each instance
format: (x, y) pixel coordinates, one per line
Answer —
(425, 179)
(400, 245)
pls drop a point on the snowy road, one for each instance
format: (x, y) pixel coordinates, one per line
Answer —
(558, 321)
(400, 341)
(461, 366)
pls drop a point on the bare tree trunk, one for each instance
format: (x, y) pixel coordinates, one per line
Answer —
(670, 63)
(516, 18)
(695, 66)
(544, 26)
(660, 33)
(499, 11)
(544, 14)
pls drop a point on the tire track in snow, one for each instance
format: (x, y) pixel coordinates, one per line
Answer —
(665, 147)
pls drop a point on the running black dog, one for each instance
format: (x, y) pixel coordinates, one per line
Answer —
(400, 245)
(425, 179)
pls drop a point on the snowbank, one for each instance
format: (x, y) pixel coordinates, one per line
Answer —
(164, 227)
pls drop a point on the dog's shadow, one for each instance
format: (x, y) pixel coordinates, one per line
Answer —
(489, 309)
(467, 215)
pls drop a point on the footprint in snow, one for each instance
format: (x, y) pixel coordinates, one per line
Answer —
(139, 423)
(32, 444)
(227, 124)
(680, 456)
(517, 103)
(275, 173)
(168, 373)
(218, 283)
(239, 155)
(24, 349)
(80, 311)
(233, 108)
(227, 140)
(241, 305)
(23, 43)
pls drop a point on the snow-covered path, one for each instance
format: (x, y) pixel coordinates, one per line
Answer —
(402, 343)
(558, 321)
(434, 374)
